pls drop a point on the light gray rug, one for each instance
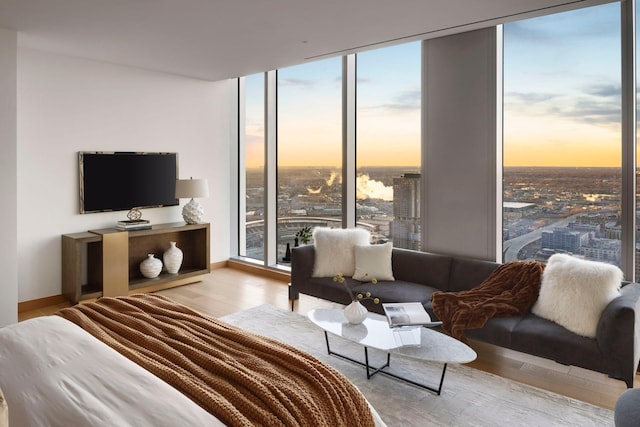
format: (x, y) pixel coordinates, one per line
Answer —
(469, 397)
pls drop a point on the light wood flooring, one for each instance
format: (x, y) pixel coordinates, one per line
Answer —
(228, 290)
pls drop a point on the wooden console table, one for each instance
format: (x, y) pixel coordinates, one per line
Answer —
(106, 262)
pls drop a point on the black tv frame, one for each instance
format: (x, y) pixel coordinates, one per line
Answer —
(124, 181)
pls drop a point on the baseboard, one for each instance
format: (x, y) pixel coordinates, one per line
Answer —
(39, 303)
(282, 276)
(219, 264)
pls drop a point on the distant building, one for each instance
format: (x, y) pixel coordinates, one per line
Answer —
(563, 239)
(583, 243)
(405, 227)
(603, 250)
(513, 210)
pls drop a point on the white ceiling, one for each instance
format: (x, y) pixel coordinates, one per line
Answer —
(218, 39)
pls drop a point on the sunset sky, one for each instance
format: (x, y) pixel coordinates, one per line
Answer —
(562, 89)
(561, 99)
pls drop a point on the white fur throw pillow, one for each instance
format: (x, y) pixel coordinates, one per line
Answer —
(335, 251)
(373, 262)
(574, 292)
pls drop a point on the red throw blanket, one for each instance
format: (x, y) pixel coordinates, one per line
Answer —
(242, 378)
(511, 289)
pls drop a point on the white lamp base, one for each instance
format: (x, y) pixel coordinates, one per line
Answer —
(192, 212)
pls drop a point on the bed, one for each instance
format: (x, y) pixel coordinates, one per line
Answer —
(144, 360)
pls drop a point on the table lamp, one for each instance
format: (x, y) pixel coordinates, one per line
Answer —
(192, 212)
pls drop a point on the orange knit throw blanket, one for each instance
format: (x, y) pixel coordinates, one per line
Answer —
(241, 378)
(511, 289)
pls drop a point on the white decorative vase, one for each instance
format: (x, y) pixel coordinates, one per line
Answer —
(355, 312)
(151, 267)
(172, 258)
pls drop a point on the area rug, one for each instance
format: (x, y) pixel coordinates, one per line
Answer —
(469, 397)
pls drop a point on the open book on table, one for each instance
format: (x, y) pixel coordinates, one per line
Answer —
(408, 314)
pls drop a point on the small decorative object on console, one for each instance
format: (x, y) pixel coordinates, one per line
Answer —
(134, 215)
(141, 224)
(151, 267)
(135, 221)
(172, 258)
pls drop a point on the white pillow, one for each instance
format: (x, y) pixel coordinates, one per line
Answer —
(334, 249)
(373, 262)
(574, 292)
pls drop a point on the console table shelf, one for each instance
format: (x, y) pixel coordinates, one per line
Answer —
(106, 262)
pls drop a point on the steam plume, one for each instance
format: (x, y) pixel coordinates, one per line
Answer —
(367, 188)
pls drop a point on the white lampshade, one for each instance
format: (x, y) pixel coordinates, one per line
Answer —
(190, 188)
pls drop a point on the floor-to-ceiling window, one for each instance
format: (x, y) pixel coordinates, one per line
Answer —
(388, 144)
(562, 164)
(309, 150)
(562, 136)
(253, 227)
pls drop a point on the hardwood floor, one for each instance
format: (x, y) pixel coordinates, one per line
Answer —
(228, 290)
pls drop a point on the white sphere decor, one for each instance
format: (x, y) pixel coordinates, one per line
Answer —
(151, 267)
(172, 258)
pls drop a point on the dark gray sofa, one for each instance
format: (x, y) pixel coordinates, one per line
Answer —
(615, 351)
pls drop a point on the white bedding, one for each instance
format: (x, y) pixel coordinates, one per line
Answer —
(53, 373)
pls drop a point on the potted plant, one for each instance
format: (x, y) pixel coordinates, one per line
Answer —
(304, 235)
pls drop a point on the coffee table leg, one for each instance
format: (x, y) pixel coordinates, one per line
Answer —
(371, 371)
(375, 370)
(366, 357)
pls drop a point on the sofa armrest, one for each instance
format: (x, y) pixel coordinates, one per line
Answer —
(618, 333)
(302, 261)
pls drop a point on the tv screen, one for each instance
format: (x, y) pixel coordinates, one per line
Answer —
(116, 181)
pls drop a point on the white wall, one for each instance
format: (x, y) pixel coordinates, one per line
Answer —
(8, 179)
(66, 105)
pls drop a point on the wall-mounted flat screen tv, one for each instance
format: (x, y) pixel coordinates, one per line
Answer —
(116, 181)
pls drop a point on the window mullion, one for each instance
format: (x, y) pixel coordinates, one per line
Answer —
(628, 198)
(270, 170)
(349, 141)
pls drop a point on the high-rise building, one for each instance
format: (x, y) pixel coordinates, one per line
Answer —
(405, 227)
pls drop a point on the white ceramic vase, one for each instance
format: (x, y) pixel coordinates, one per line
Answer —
(172, 258)
(355, 312)
(151, 267)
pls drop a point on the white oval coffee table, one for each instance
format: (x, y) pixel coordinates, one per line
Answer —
(417, 342)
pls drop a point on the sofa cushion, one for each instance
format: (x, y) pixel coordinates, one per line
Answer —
(497, 331)
(469, 273)
(327, 289)
(335, 250)
(544, 338)
(574, 292)
(398, 291)
(421, 267)
(373, 262)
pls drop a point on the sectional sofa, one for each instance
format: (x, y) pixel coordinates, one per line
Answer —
(614, 351)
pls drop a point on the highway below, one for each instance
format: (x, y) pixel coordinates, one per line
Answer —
(511, 248)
